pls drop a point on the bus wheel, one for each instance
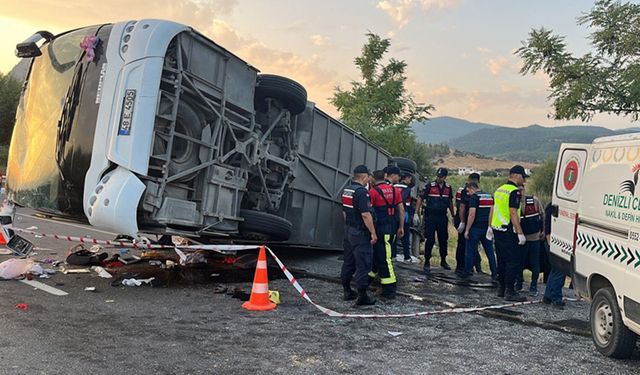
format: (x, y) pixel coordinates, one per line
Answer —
(611, 337)
(288, 92)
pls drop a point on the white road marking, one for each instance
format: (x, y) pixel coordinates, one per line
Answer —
(84, 227)
(44, 287)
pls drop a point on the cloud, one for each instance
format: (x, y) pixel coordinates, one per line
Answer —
(428, 5)
(483, 49)
(400, 11)
(496, 64)
(66, 15)
(208, 17)
(319, 40)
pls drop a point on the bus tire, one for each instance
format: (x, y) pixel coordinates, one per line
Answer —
(262, 226)
(291, 95)
(610, 336)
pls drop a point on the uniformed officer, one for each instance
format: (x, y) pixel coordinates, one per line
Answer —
(406, 185)
(480, 207)
(438, 198)
(505, 224)
(460, 222)
(532, 223)
(359, 237)
(387, 206)
(392, 177)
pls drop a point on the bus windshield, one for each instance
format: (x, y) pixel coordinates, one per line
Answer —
(34, 175)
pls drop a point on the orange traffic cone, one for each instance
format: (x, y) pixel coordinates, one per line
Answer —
(259, 300)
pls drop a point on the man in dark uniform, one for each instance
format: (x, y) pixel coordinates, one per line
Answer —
(460, 222)
(438, 198)
(359, 237)
(480, 207)
(405, 185)
(509, 238)
(387, 206)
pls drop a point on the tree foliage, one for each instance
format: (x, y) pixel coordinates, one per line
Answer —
(379, 105)
(542, 180)
(9, 97)
(606, 80)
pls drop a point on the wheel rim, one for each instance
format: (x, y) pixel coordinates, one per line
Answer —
(603, 323)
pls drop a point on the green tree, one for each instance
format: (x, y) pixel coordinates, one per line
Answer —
(9, 97)
(379, 105)
(606, 80)
(542, 180)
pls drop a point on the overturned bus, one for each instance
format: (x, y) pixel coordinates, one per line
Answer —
(149, 126)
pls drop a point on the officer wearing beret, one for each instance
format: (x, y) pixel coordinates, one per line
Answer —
(359, 237)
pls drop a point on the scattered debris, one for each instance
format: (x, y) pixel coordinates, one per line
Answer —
(220, 289)
(137, 282)
(90, 289)
(274, 296)
(109, 301)
(15, 268)
(5, 252)
(394, 334)
(101, 272)
(82, 257)
(22, 306)
(75, 270)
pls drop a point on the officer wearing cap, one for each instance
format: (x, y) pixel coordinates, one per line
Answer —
(509, 238)
(359, 237)
(438, 198)
(460, 222)
(388, 207)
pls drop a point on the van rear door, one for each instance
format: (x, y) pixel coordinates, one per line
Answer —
(566, 192)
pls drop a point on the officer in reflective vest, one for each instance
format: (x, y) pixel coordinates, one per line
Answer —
(438, 198)
(392, 176)
(532, 224)
(359, 237)
(460, 222)
(509, 238)
(480, 207)
(405, 186)
(387, 207)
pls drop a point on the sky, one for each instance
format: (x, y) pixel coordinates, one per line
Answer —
(459, 53)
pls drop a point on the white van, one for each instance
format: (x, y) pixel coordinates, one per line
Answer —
(595, 235)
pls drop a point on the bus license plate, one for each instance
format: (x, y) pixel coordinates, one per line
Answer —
(127, 112)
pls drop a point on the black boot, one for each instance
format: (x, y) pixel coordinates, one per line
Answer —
(514, 296)
(364, 299)
(501, 288)
(349, 294)
(444, 265)
(389, 291)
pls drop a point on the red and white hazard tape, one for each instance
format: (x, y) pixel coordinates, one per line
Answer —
(134, 245)
(292, 280)
(336, 314)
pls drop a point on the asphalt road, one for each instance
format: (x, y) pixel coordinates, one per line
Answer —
(186, 328)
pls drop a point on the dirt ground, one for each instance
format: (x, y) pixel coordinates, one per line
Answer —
(182, 326)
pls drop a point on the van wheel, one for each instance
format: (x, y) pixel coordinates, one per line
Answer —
(262, 226)
(611, 337)
(291, 95)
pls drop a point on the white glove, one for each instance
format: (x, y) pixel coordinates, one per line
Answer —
(521, 239)
(461, 227)
(416, 220)
(489, 234)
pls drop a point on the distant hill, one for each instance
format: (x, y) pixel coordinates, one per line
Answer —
(533, 143)
(443, 129)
